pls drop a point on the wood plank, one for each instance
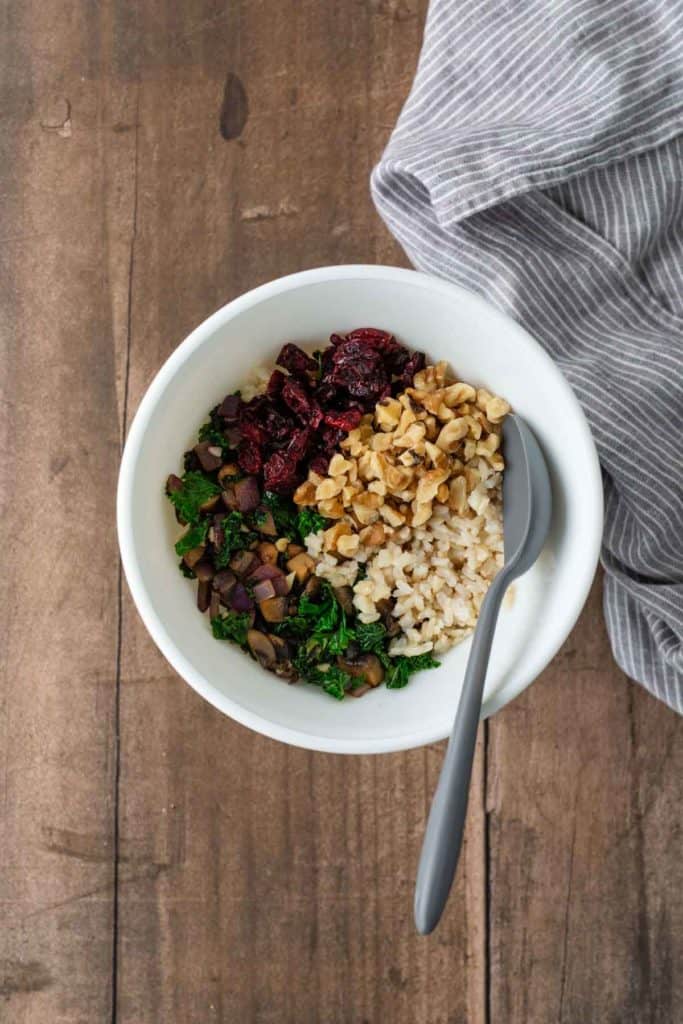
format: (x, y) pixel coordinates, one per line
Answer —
(260, 883)
(256, 882)
(586, 877)
(63, 271)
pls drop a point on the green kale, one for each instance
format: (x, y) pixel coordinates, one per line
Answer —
(372, 637)
(284, 514)
(304, 657)
(188, 573)
(336, 642)
(193, 538)
(321, 627)
(314, 617)
(294, 626)
(325, 613)
(309, 521)
(197, 489)
(290, 522)
(214, 432)
(318, 356)
(332, 679)
(232, 626)
(402, 668)
(328, 620)
(208, 432)
(237, 536)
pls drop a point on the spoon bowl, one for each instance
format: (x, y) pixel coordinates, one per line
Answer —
(527, 501)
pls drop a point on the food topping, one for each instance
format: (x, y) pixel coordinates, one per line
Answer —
(342, 518)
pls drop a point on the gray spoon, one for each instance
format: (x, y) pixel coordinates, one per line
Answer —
(526, 520)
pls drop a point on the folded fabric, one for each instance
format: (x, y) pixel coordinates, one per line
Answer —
(539, 161)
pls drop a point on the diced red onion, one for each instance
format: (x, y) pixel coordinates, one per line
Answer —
(240, 600)
(282, 585)
(264, 590)
(247, 494)
(267, 571)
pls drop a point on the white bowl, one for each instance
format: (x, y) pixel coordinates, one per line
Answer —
(486, 349)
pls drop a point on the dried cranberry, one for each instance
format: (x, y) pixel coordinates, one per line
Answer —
(262, 423)
(330, 437)
(360, 369)
(252, 432)
(345, 420)
(295, 360)
(319, 464)
(396, 360)
(299, 401)
(251, 419)
(280, 474)
(413, 366)
(394, 354)
(250, 458)
(381, 340)
(327, 363)
(278, 427)
(275, 384)
(303, 416)
(299, 443)
(327, 395)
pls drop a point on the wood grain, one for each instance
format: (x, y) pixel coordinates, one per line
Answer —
(66, 206)
(280, 885)
(159, 863)
(586, 878)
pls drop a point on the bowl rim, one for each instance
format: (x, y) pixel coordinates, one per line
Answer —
(124, 519)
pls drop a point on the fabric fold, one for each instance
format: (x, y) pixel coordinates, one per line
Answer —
(539, 161)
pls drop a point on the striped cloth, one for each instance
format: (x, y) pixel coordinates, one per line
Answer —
(538, 161)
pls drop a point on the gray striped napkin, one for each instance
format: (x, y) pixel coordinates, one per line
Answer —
(539, 160)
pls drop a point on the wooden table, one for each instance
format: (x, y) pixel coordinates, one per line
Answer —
(159, 864)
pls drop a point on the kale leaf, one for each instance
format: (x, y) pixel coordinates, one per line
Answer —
(214, 431)
(314, 617)
(284, 514)
(232, 626)
(332, 679)
(372, 637)
(309, 521)
(290, 522)
(208, 432)
(197, 489)
(193, 538)
(321, 626)
(260, 517)
(401, 668)
(237, 536)
(325, 613)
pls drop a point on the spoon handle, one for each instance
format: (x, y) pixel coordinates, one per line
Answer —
(446, 824)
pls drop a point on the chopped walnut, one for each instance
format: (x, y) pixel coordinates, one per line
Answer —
(437, 444)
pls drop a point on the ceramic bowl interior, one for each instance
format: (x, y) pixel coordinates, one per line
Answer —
(486, 349)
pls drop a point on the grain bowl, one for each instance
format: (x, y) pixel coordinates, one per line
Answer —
(441, 530)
